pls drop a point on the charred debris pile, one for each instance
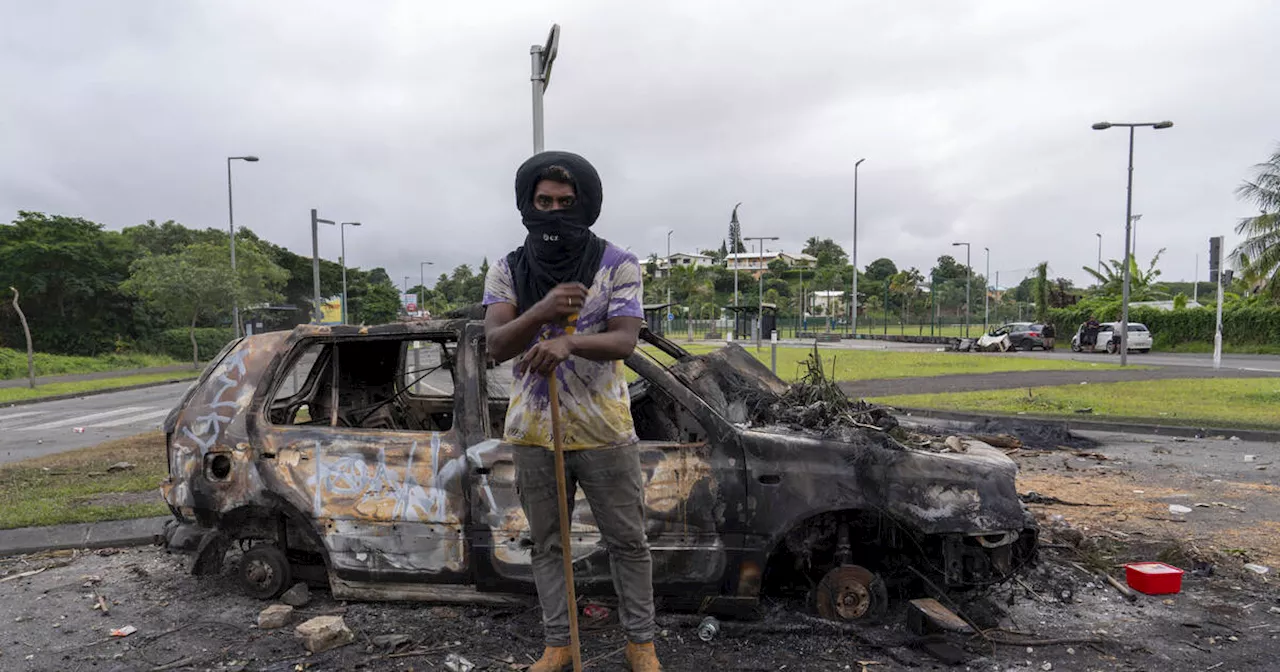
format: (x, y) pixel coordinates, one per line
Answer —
(815, 403)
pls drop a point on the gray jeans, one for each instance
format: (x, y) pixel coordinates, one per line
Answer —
(614, 485)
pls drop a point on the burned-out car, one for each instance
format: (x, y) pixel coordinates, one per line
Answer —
(370, 459)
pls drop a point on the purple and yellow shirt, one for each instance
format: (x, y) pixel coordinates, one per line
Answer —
(595, 407)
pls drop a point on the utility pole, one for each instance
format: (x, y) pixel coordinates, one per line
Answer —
(968, 281)
(315, 263)
(231, 222)
(986, 295)
(669, 269)
(760, 299)
(541, 58)
(853, 302)
(736, 229)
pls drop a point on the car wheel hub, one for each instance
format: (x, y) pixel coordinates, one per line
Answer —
(845, 593)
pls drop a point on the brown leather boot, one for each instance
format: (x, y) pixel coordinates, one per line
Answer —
(643, 658)
(554, 659)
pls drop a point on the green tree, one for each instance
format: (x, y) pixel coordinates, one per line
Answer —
(1259, 254)
(198, 281)
(1041, 291)
(826, 251)
(1142, 284)
(381, 304)
(880, 270)
(69, 270)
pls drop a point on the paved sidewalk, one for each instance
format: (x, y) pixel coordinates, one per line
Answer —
(80, 377)
(106, 534)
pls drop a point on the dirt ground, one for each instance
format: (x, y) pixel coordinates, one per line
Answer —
(1058, 615)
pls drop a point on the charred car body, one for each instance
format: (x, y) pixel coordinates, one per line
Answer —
(371, 459)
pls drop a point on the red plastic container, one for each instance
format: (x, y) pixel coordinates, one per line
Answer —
(1153, 578)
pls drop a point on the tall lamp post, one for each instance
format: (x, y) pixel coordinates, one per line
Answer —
(422, 282)
(853, 302)
(1099, 235)
(968, 280)
(541, 58)
(760, 298)
(315, 263)
(736, 229)
(669, 232)
(231, 222)
(986, 294)
(1128, 224)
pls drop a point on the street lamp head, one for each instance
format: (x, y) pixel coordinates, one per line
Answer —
(858, 163)
(254, 158)
(958, 244)
(1102, 126)
(1164, 124)
(351, 223)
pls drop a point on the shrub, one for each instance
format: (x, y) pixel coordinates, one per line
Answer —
(176, 343)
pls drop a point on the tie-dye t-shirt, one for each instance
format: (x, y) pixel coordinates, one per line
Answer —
(595, 407)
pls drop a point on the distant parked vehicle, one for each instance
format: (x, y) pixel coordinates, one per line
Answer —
(1014, 336)
(1109, 337)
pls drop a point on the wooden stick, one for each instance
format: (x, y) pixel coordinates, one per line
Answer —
(566, 542)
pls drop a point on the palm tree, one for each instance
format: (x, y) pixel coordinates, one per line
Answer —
(1259, 254)
(1142, 284)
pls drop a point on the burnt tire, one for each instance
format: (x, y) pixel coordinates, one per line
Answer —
(264, 572)
(851, 594)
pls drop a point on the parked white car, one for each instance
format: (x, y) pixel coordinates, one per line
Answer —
(1109, 338)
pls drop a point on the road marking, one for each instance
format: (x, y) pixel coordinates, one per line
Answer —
(15, 416)
(133, 419)
(84, 419)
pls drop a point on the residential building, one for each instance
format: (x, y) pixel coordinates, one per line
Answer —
(682, 259)
(756, 261)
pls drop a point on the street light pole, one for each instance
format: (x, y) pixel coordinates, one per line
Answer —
(231, 222)
(986, 294)
(1128, 225)
(1099, 235)
(315, 263)
(541, 58)
(669, 232)
(343, 235)
(735, 228)
(422, 282)
(760, 298)
(968, 281)
(853, 302)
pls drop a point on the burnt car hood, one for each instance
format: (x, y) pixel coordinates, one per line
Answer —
(969, 492)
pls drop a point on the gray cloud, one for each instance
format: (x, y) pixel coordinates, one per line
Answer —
(411, 117)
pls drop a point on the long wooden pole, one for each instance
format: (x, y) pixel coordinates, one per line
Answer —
(562, 488)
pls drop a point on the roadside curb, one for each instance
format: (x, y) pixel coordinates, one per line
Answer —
(1183, 431)
(93, 393)
(106, 534)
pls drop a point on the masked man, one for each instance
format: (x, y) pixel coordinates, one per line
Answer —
(562, 272)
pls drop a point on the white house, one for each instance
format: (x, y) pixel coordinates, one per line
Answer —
(831, 302)
(682, 259)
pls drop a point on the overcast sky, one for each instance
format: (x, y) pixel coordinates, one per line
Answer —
(411, 117)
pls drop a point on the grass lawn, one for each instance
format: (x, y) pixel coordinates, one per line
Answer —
(872, 364)
(13, 363)
(1221, 402)
(11, 394)
(74, 487)
(1227, 348)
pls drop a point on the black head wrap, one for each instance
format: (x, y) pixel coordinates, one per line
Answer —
(560, 246)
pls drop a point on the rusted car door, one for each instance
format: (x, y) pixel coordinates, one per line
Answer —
(692, 494)
(386, 498)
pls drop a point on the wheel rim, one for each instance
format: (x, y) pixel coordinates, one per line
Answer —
(846, 593)
(260, 574)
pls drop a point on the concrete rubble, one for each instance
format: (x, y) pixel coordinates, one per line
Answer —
(323, 633)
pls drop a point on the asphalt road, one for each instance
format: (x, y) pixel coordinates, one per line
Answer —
(51, 427)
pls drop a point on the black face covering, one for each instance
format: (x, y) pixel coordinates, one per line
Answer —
(560, 246)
